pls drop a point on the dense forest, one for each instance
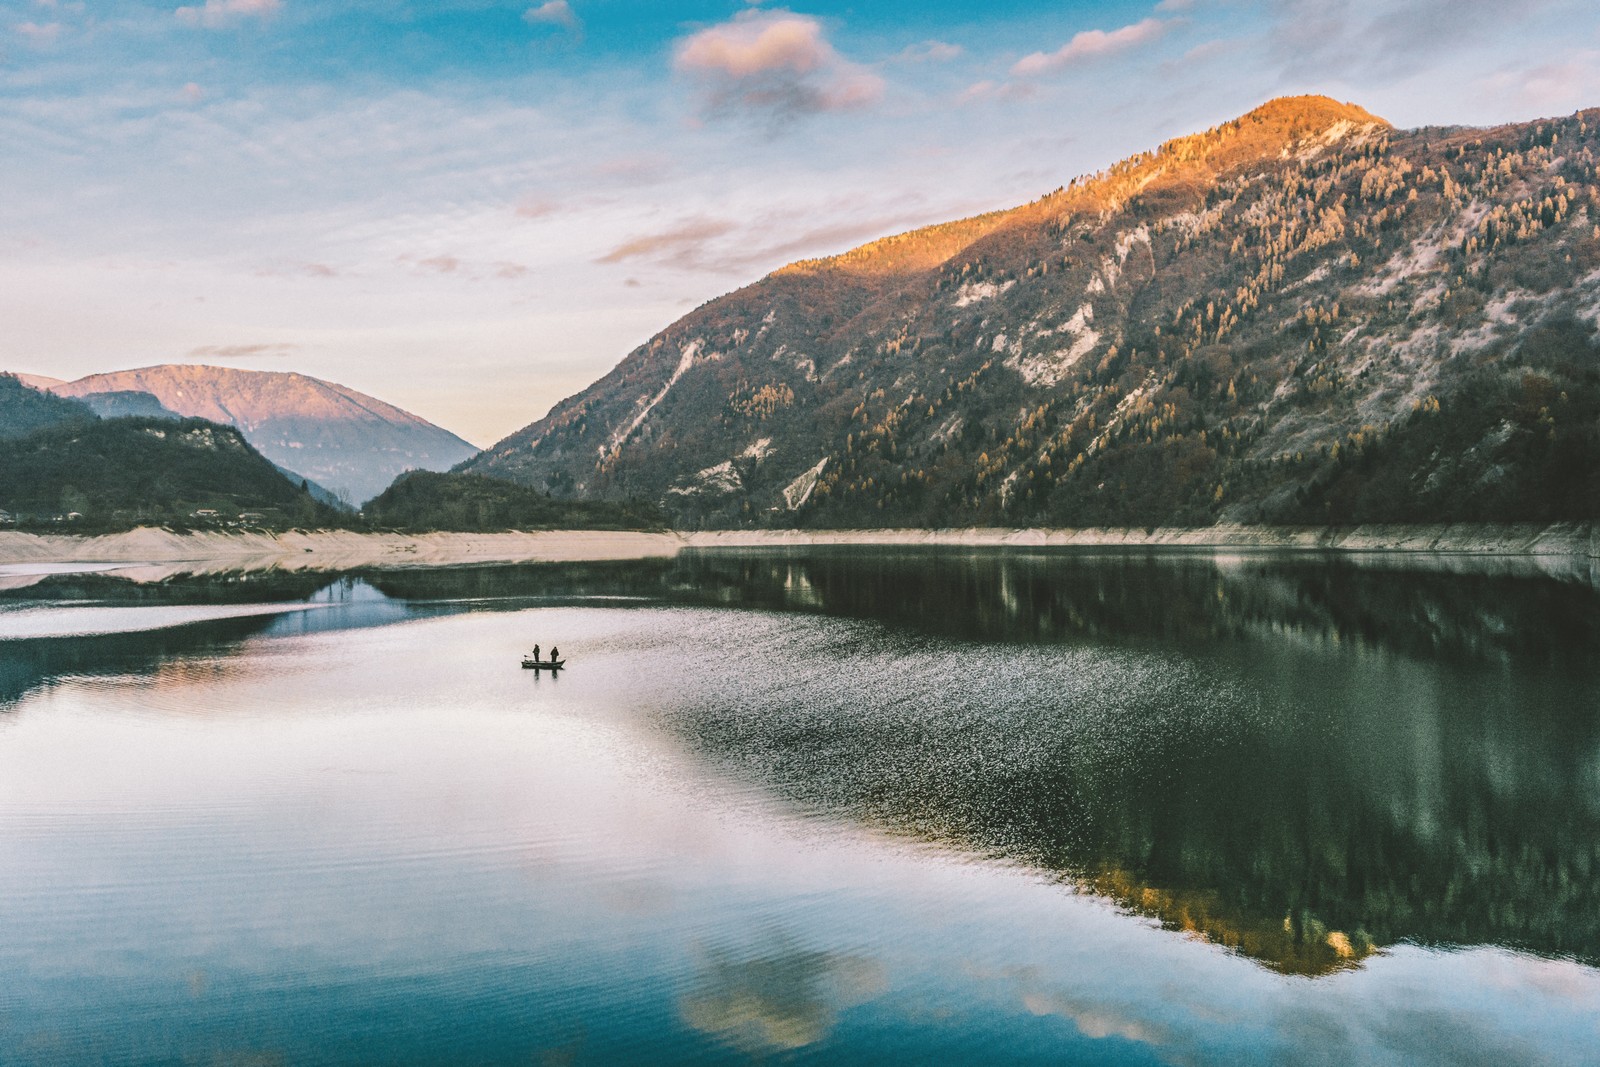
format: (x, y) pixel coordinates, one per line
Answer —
(117, 473)
(424, 500)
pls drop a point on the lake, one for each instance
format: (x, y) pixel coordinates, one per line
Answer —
(823, 806)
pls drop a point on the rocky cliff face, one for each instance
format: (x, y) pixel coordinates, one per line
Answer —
(349, 442)
(1303, 315)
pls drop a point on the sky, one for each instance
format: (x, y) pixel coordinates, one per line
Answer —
(474, 208)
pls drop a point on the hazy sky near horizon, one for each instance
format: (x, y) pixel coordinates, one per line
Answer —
(473, 208)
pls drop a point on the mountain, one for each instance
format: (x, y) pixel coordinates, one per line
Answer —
(126, 404)
(1303, 315)
(38, 381)
(342, 439)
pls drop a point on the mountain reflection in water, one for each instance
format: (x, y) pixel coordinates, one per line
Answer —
(1302, 759)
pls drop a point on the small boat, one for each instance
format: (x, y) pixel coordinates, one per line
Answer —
(531, 664)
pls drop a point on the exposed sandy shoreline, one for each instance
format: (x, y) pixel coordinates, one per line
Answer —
(327, 550)
(1581, 540)
(150, 553)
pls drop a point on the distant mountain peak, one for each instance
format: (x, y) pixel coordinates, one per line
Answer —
(1308, 112)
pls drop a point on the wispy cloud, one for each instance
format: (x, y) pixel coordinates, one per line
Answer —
(931, 52)
(465, 270)
(635, 170)
(775, 63)
(260, 351)
(554, 13)
(1091, 44)
(215, 14)
(298, 270)
(535, 207)
(442, 264)
(682, 245)
(990, 90)
(763, 242)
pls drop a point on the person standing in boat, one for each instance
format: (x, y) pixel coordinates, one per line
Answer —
(536, 653)
(555, 655)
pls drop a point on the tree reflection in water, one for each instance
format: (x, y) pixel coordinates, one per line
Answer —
(1301, 759)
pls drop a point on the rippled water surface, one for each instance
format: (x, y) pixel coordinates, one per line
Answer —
(909, 807)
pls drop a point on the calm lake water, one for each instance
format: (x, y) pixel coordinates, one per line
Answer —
(886, 807)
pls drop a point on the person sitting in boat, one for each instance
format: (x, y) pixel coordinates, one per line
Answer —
(554, 654)
(536, 653)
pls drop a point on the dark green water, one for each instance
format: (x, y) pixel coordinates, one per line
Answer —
(918, 807)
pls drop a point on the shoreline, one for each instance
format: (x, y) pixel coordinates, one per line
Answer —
(1566, 540)
(327, 550)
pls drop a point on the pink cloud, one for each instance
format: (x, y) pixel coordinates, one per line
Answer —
(1090, 44)
(757, 43)
(442, 264)
(214, 14)
(242, 351)
(775, 62)
(536, 208)
(635, 170)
